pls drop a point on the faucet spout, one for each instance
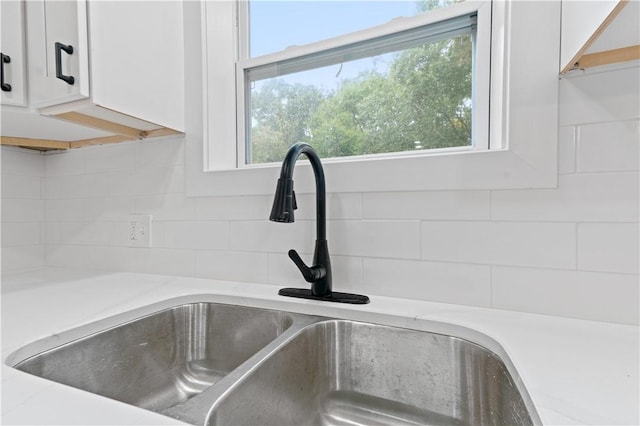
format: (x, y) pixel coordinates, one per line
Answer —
(284, 204)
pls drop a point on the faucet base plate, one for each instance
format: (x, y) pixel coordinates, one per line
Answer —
(305, 293)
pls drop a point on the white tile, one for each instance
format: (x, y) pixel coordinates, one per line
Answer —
(433, 205)
(166, 206)
(68, 256)
(282, 271)
(439, 282)
(108, 258)
(21, 234)
(69, 162)
(80, 186)
(53, 187)
(232, 265)
(108, 208)
(22, 162)
(609, 247)
(233, 208)
(501, 243)
(159, 152)
(85, 233)
(147, 181)
(108, 158)
(567, 150)
(375, 238)
(597, 197)
(608, 147)
(268, 236)
(160, 261)
(347, 274)
(600, 97)
(339, 206)
(21, 186)
(58, 210)
(53, 233)
(201, 235)
(22, 210)
(22, 258)
(575, 294)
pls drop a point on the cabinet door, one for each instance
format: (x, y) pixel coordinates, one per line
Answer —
(13, 67)
(57, 51)
(137, 59)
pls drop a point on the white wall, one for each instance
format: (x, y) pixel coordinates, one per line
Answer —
(22, 210)
(571, 251)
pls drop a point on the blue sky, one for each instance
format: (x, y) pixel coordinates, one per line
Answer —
(276, 25)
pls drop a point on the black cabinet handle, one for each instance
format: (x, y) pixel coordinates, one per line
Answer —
(6, 87)
(69, 50)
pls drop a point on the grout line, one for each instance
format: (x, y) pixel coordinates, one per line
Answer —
(576, 139)
(577, 247)
(491, 300)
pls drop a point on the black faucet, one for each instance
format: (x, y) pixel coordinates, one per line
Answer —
(284, 203)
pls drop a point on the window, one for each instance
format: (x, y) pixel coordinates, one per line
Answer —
(405, 86)
(514, 91)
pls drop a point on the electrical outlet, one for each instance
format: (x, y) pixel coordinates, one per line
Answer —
(139, 230)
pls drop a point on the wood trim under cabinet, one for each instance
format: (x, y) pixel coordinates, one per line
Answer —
(98, 123)
(165, 131)
(47, 145)
(100, 141)
(39, 144)
(609, 57)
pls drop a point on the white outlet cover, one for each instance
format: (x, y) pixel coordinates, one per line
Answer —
(139, 230)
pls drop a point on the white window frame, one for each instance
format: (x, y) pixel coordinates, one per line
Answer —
(522, 131)
(447, 19)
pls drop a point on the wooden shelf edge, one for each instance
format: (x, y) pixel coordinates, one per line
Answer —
(160, 132)
(99, 141)
(121, 130)
(47, 145)
(607, 57)
(39, 144)
(98, 123)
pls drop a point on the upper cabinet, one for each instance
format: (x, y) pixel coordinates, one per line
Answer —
(13, 54)
(57, 51)
(114, 66)
(599, 33)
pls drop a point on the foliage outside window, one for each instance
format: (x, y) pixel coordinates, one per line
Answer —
(417, 96)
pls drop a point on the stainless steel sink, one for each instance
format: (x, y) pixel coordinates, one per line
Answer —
(161, 359)
(350, 373)
(209, 363)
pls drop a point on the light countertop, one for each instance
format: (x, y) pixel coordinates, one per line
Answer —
(576, 372)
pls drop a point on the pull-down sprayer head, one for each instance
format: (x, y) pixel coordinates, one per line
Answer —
(284, 202)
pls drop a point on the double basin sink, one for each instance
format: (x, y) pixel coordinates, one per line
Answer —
(208, 363)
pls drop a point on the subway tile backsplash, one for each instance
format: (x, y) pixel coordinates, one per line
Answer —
(569, 251)
(23, 210)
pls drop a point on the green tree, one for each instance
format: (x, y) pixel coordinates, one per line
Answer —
(423, 102)
(280, 116)
(437, 88)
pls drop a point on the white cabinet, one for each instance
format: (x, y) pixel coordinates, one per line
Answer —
(13, 55)
(57, 51)
(137, 59)
(111, 65)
